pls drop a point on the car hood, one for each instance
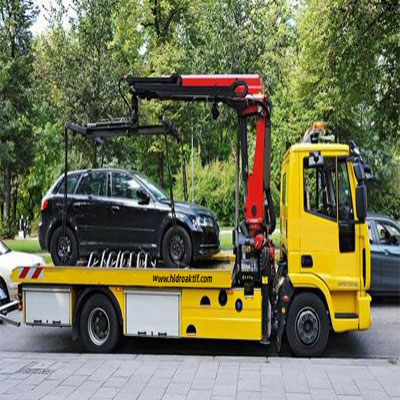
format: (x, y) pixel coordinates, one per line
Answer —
(190, 208)
(14, 259)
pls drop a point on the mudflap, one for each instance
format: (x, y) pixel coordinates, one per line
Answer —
(285, 296)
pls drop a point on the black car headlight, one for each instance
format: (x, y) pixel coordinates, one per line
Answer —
(204, 221)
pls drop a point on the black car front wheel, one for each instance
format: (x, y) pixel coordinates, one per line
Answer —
(177, 247)
(64, 248)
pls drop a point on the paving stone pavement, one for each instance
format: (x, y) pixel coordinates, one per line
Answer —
(167, 377)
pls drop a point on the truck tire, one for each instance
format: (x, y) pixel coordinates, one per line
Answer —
(99, 327)
(64, 249)
(177, 247)
(307, 327)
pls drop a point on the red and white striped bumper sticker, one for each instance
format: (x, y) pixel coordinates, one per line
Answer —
(30, 272)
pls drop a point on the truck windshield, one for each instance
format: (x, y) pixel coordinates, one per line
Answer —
(152, 187)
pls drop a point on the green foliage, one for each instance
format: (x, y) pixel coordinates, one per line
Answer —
(337, 61)
(214, 188)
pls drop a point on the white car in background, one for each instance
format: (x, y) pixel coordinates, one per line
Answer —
(8, 261)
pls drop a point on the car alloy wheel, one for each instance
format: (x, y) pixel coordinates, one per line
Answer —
(64, 248)
(177, 247)
(98, 326)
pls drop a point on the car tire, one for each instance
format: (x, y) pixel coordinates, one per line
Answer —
(177, 247)
(307, 327)
(99, 327)
(64, 249)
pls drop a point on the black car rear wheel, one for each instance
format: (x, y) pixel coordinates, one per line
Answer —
(177, 247)
(64, 248)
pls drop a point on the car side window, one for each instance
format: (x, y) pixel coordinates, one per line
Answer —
(370, 235)
(124, 186)
(388, 234)
(72, 180)
(93, 184)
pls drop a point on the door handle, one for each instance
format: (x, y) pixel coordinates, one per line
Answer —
(76, 205)
(306, 261)
(387, 252)
(114, 209)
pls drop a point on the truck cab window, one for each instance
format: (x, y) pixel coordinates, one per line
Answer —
(284, 189)
(319, 188)
(346, 212)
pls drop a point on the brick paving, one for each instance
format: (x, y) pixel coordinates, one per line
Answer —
(130, 376)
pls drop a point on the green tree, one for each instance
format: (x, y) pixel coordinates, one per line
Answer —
(16, 18)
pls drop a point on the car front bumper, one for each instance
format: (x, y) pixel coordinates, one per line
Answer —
(205, 243)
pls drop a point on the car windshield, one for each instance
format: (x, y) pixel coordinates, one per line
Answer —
(152, 187)
(3, 248)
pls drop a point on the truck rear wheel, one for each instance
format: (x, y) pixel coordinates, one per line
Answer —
(307, 327)
(99, 326)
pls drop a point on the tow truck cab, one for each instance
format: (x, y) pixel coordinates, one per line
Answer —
(324, 242)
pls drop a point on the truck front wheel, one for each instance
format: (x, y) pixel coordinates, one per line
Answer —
(307, 327)
(99, 326)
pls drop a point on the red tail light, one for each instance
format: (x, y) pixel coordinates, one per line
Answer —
(43, 206)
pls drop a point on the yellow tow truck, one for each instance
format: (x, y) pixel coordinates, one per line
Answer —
(319, 283)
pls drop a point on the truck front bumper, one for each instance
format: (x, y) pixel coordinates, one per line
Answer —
(364, 311)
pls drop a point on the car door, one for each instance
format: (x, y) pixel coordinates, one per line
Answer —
(389, 235)
(90, 206)
(132, 222)
(376, 257)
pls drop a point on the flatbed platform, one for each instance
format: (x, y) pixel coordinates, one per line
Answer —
(214, 273)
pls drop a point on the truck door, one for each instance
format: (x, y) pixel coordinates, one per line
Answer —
(327, 229)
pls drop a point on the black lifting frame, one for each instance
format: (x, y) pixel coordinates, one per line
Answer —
(98, 131)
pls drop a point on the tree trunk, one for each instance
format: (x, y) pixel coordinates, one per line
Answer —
(15, 200)
(94, 163)
(160, 169)
(7, 192)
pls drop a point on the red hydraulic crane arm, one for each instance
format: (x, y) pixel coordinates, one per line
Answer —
(246, 95)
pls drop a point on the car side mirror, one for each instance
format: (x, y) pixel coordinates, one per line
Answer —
(361, 201)
(143, 197)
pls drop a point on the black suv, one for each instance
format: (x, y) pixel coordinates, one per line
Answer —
(116, 209)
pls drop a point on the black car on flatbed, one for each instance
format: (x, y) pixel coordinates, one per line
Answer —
(115, 209)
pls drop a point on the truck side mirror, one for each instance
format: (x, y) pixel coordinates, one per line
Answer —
(361, 201)
(143, 197)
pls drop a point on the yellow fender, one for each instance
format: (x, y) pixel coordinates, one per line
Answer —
(303, 281)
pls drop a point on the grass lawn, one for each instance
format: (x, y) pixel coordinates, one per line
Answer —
(26, 246)
(226, 238)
